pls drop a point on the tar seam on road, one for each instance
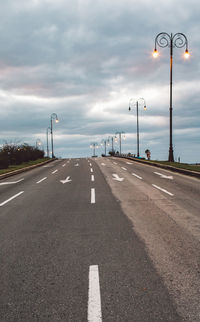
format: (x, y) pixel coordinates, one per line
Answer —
(41, 180)
(133, 174)
(92, 195)
(13, 197)
(54, 171)
(94, 296)
(157, 187)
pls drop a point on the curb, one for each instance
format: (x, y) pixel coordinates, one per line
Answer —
(12, 173)
(166, 167)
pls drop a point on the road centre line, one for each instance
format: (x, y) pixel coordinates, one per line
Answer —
(124, 168)
(91, 170)
(54, 171)
(94, 295)
(92, 195)
(163, 190)
(92, 177)
(42, 180)
(11, 198)
(90, 164)
(133, 174)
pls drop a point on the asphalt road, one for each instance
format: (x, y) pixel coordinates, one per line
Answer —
(79, 245)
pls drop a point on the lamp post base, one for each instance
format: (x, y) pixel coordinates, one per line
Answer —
(171, 155)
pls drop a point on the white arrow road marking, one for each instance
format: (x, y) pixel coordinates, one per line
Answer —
(42, 180)
(129, 163)
(116, 177)
(164, 176)
(103, 164)
(54, 171)
(13, 197)
(76, 165)
(163, 190)
(133, 174)
(93, 195)
(12, 182)
(94, 295)
(66, 180)
(124, 168)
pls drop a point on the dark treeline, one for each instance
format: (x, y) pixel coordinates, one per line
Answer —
(13, 154)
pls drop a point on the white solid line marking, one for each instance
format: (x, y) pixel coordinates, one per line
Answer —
(42, 180)
(92, 177)
(124, 168)
(91, 170)
(54, 171)
(169, 193)
(133, 174)
(15, 196)
(93, 195)
(11, 182)
(94, 295)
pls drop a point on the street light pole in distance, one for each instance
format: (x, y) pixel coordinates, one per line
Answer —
(53, 116)
(133, 103)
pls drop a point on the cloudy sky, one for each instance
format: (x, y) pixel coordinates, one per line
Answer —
(85, 60)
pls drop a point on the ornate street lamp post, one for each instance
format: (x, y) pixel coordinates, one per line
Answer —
(94, 145)
(137, 104)
(178, 40)
(47, 132)
(120, 140)
(53, 116)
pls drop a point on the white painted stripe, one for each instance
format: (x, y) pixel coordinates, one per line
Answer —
(133, 174)
(90, 164)
(124, 168)
(129, 162)
(92, 177)
(64, 165)
(91, 170)
(158, 173)
(169, 193)
(93, 195)
(54, 171)
(94, 295)
(11, 182)
(42, 180)
(13, 197)
(115, 162)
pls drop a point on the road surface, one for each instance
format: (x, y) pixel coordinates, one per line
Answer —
(99, 240)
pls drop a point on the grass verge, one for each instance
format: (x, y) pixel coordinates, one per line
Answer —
(21, 166)
(191, 167)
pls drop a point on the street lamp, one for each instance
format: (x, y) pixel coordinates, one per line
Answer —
(47, 132)
(38, 143)
(55, 117)
(105, 143)
(137, 104)
(94, 145)
(120, 140)
(178, 40)
(112, 142)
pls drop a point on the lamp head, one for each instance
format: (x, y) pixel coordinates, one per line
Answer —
(186, 54)
(155, 53)
(129, 108)
(145, 107)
